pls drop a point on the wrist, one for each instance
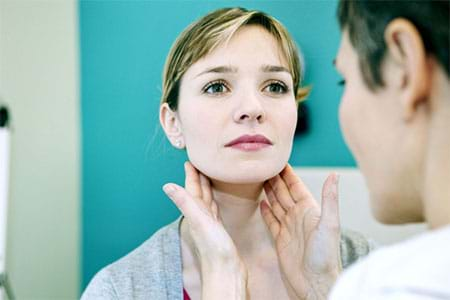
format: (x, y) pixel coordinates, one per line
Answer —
(225, 266)
(219, 258)
(321, 287)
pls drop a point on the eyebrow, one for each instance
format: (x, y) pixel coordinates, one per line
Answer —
(230, 69)
(335, 65)
(270, 69)
(219, 69)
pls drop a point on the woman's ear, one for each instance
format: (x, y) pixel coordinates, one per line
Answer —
(406, 49)
(171, 124)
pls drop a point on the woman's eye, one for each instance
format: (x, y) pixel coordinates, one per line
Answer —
(216, 88)
(341, 82)
(276, 88)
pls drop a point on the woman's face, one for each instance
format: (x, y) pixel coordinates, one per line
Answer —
(237, 110)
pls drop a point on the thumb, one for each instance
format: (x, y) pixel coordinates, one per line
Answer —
(181, 198)
(330, 203)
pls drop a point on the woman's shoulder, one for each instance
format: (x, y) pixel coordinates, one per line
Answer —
(152, 270)
(353, 246)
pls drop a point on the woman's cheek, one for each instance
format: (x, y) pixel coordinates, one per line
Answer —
(291, 120)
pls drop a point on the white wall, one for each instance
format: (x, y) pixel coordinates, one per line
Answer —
(354, 205)
(39, 82)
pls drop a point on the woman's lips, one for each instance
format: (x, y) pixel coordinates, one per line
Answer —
(250, 142)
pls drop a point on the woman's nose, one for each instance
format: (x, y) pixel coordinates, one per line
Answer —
(250, 109)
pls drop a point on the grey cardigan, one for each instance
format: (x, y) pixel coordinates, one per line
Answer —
(154, 269)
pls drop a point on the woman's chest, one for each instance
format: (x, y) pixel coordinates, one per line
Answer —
(264, 283)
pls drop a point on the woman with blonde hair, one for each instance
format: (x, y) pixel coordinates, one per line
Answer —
(231, 86)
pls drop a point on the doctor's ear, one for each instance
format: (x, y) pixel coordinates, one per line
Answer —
(407, 50)
(171, 124)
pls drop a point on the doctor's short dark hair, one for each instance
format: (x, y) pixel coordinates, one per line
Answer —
(367, 20)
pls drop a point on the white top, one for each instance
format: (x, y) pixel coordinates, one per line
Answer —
(418, 268)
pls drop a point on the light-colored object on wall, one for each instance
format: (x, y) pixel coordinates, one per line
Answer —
(4, 173)
(354, 205)
(39, 80)
(4, 180)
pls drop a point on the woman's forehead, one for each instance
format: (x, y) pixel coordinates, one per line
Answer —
(251, 47)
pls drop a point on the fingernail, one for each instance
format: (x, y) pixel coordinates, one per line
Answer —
(336, 183)
(168, 188)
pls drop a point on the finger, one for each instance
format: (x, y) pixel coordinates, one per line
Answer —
(269, 218)
(277, 209)
(281, 192)
(192, 181)
(215, 211)
(269, 193)
(330, 203)
(206, 189)
(295, 185)
(181, 198)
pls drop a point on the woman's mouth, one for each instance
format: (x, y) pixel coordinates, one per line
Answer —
(250, 142)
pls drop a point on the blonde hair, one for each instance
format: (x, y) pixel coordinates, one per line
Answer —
(206, 34)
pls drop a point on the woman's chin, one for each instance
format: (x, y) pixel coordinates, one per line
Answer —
(245, 179)
(245, 175)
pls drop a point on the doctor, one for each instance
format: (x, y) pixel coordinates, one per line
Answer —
(395, 115)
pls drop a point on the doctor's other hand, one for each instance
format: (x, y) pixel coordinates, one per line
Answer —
(307, 237)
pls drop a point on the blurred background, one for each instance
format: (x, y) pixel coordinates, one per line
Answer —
(82, 80)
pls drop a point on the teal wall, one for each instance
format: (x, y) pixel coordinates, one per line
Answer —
(126, 158)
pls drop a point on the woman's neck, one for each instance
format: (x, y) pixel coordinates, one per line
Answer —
(238, 206)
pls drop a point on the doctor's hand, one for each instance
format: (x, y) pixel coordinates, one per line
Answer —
(223, 273)
(307, 237)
